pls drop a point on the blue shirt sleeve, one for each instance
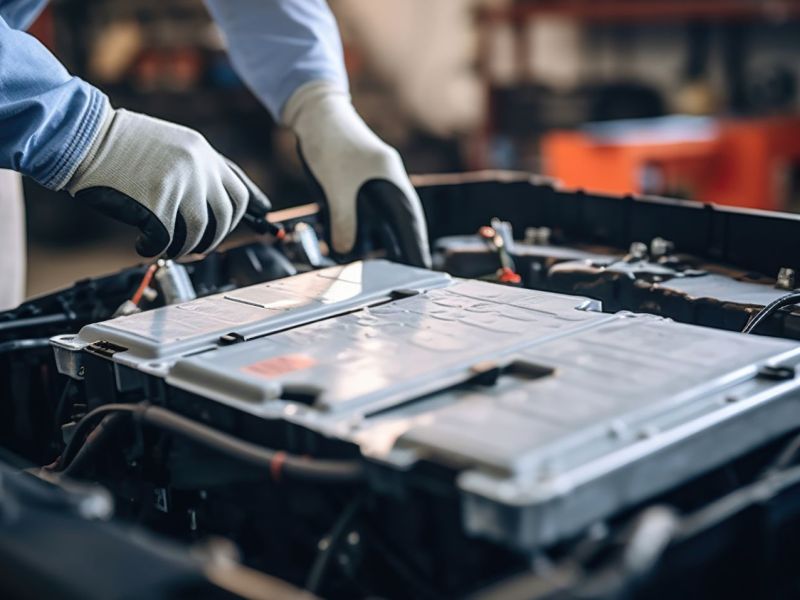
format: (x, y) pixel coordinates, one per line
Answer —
(48, 119)
(278, 45)
(19, 14)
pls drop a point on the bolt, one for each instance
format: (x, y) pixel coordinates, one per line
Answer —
(647, 432)
(538, 235)
(638, 250)
(661, 247)
(544, 235)
(785, 280)
(616, 430)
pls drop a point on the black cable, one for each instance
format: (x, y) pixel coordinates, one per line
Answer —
(83, 428)
(27, 344)
(278, 462)
(61, 406)
(769, 309)
(334, 537)
(334, 471)
(95, 443)
(36, 321)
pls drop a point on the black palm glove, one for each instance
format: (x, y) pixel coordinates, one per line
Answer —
(362, 178)
(166, 180)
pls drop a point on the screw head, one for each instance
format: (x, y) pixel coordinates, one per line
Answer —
(638, 250)
(785, 279)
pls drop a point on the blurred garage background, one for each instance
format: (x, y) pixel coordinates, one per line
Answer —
(692, 99)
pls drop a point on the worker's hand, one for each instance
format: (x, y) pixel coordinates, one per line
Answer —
(363, 179)
(166, 180)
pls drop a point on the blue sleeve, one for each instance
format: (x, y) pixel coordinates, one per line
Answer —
(48, 119)
(19, 14)
(278, 45)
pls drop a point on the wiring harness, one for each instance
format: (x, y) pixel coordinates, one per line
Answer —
(88, 436)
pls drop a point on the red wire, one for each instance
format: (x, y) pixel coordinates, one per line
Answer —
(148, 277)
(276, 465)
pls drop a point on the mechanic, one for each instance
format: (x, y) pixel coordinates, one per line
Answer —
(166, 179)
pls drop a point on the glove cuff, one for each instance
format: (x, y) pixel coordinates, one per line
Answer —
(106, 118)
(309, 99)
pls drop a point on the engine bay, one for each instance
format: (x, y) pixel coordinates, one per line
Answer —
(572, 404)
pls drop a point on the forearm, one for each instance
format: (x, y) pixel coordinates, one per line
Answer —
(48, 118)
(290, 54)
(279, 45)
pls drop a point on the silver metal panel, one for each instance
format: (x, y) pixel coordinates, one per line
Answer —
(172, 331)
(725, 289)
(365, 361)
(617, 382)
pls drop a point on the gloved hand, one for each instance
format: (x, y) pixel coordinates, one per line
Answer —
(166, 180)
(362, 178)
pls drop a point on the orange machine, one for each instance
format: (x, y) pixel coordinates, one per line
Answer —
(750, 163)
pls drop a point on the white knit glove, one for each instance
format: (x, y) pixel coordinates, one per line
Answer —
(166, 180)
(363, 180)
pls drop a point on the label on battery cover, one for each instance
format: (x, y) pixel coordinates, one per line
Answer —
(280, 365)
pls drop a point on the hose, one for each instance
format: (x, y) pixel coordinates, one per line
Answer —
(26, 344)
(769, 309)
(276, 461)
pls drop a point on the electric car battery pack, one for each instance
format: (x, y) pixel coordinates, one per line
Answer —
(550, 414)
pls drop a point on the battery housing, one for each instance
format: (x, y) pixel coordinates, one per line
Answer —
(551, 414)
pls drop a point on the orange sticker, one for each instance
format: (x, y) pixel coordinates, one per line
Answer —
(280, 365)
